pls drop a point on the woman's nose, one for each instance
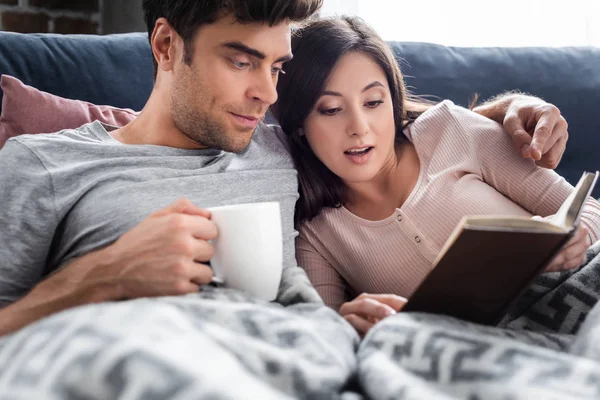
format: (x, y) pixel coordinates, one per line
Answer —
(358, 125)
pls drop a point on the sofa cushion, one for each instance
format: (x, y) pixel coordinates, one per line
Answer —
(111, 69)
(26, 110)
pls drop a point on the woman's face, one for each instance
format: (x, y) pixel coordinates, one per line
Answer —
(351, 126)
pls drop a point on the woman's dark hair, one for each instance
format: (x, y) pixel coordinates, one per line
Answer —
(187, 16)
(317, 47)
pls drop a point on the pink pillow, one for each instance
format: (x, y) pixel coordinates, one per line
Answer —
(28, 110)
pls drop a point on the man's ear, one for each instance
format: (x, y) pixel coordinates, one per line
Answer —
(164, 44)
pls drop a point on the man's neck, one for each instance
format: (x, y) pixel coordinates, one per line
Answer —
(154, 126)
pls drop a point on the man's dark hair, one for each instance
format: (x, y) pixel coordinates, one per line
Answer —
(187, 16)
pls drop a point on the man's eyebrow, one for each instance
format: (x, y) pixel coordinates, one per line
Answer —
(241, 47)
(369, 86)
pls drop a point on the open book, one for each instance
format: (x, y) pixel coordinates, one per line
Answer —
(488, 261)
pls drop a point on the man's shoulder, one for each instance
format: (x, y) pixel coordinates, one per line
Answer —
(87, 133)
(271, 135)
(270, 147)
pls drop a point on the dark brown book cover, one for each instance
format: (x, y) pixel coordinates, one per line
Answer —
(483, 272)
(489, 261)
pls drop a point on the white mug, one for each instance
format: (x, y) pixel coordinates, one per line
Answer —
(249, 248)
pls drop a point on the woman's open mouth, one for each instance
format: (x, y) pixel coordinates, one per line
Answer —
(359, 155)
(359, 152)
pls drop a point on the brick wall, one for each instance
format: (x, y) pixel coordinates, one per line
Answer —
(55, 16)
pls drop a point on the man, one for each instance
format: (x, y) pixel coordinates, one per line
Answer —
(92, 216)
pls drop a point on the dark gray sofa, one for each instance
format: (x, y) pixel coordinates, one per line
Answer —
(117, 70)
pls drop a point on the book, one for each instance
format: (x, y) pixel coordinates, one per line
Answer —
(489, 261)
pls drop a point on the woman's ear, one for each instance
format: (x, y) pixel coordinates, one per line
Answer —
(301, 132)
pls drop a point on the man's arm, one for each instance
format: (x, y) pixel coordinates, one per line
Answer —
(537, 128)
(161, 256)
(42, 302)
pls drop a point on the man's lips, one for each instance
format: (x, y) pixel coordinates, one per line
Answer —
(251, 118)
(247, 121)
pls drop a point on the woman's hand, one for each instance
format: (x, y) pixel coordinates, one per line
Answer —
(573, 254)
(367, 309)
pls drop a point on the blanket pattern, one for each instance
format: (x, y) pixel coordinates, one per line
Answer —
(545, 348)
(223, 344)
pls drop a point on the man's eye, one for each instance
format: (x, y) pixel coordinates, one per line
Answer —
(239, 64)
(277, 71)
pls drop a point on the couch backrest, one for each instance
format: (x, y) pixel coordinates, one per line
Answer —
(117, 70)
(567, 77)
(105, 70)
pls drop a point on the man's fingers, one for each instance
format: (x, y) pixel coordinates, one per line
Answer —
(360, 324)
(552, 157)
(183, 206)
(201, 250)
(555, 146)
(201, 274)
(199, 227)
(542, 134)
(513, 125)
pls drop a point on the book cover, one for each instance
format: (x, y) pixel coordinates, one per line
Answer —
(489, 261)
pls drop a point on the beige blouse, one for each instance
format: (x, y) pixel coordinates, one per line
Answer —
(468, 167)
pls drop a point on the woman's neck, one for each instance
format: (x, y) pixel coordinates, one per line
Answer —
(378, 198)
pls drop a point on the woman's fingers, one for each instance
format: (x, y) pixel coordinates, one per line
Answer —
(361, 325)
(367, 307)
(392, 300)
(573, 254)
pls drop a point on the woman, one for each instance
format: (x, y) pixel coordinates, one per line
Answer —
(385, 179)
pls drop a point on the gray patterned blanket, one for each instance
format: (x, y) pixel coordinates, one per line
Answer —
(547, 347)
(221, 344)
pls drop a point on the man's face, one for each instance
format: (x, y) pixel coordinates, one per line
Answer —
(221, 96)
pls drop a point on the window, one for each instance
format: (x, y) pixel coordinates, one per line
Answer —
(512, 23)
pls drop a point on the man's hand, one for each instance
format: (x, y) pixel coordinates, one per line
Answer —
(368, 309)
(538, 130)
(161, 256)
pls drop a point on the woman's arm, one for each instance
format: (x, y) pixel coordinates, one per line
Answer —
(326, 280)
(539, 190)
(362, 312)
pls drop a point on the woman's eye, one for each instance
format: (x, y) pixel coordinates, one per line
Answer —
(329, 111)
(240, 64)
(374, 104)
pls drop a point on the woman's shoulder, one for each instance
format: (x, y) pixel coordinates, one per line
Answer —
(328, 216)
(448, 119)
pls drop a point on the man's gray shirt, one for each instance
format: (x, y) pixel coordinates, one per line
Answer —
(65, 194)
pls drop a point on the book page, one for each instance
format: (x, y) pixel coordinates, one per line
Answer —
(511, 224)
(568, 214)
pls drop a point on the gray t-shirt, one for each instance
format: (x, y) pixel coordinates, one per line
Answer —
(65, 194)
